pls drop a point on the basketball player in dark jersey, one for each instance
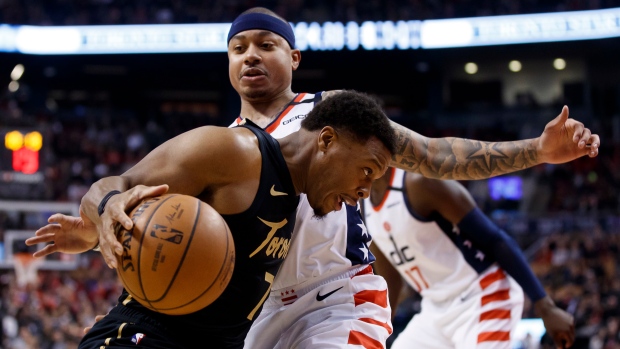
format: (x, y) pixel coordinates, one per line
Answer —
(331, 159)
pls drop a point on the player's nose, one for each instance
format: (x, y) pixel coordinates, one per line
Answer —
(252, 55)
(363, 192)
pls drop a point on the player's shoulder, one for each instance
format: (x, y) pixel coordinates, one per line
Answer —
(444, 196)
(212, 133)
(225, 140)
(421, 184)
(427, 194)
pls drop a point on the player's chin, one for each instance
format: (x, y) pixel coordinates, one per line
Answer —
(255, 92)
(318, 208)
(319, 212)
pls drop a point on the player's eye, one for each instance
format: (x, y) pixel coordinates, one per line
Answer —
(367, 171)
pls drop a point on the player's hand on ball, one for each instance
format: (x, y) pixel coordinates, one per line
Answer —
(565, 139)
(116, 213)
(65, 234)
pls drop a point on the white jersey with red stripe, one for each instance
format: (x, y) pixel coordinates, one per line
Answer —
(325, 294)
(467, 300)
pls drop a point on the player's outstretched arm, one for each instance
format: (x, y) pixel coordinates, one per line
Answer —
(562, 140)
(453, 201)
(189, 164)
(559, 324)
(495, 243)
(65, 234)
(73, 235)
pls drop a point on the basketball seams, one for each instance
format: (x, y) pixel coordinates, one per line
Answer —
(228, 252)
(222, 267)
(144, 234)
(119, 229)
(182, 259)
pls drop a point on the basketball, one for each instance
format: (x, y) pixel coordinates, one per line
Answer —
(179, 256)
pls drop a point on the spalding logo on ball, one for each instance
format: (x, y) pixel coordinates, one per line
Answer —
(179, 256)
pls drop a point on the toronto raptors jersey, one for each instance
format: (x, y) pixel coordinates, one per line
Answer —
(319, 247)
(428, 253)
(262, 236)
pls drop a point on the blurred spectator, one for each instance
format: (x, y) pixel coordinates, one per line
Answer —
(61, 12)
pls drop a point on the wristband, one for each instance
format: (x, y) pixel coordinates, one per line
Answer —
(104, 201)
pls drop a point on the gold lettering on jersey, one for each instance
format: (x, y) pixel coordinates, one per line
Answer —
(278, 246)
(269, 279)
(274, 228)
(284, 250)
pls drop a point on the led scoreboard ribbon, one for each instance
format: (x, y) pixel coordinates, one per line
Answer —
(332, 36)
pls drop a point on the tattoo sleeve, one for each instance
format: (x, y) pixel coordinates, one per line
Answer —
(460, 158)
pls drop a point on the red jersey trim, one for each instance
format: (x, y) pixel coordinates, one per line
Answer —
(274, 125)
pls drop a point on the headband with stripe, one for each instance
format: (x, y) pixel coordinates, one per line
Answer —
(262, 21)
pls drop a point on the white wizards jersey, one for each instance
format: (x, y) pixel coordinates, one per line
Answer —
(319, 247)
(429, 254)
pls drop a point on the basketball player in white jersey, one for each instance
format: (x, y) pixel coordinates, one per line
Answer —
(325, 294)
(469, 272)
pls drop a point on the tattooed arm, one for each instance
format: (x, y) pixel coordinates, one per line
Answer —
(563, 140)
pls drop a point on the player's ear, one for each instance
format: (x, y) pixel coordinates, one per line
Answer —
(327, 136)
(295, 58)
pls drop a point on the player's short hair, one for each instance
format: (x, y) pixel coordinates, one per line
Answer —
(353, 112)
(264, 11)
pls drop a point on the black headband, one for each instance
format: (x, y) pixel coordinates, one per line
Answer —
(262, 21)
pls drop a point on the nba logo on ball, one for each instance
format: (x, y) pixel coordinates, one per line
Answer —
(178, 257)
(167, 234)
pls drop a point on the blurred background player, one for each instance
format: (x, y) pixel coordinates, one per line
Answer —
(468, 271)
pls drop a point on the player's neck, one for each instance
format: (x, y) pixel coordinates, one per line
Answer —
(380, 187)
(297, 151)
(263, 112)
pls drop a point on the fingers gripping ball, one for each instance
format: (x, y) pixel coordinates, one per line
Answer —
(179, 256)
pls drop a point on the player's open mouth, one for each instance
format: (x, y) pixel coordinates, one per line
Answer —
(348, 200)
(342, 198)
(252, 73)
